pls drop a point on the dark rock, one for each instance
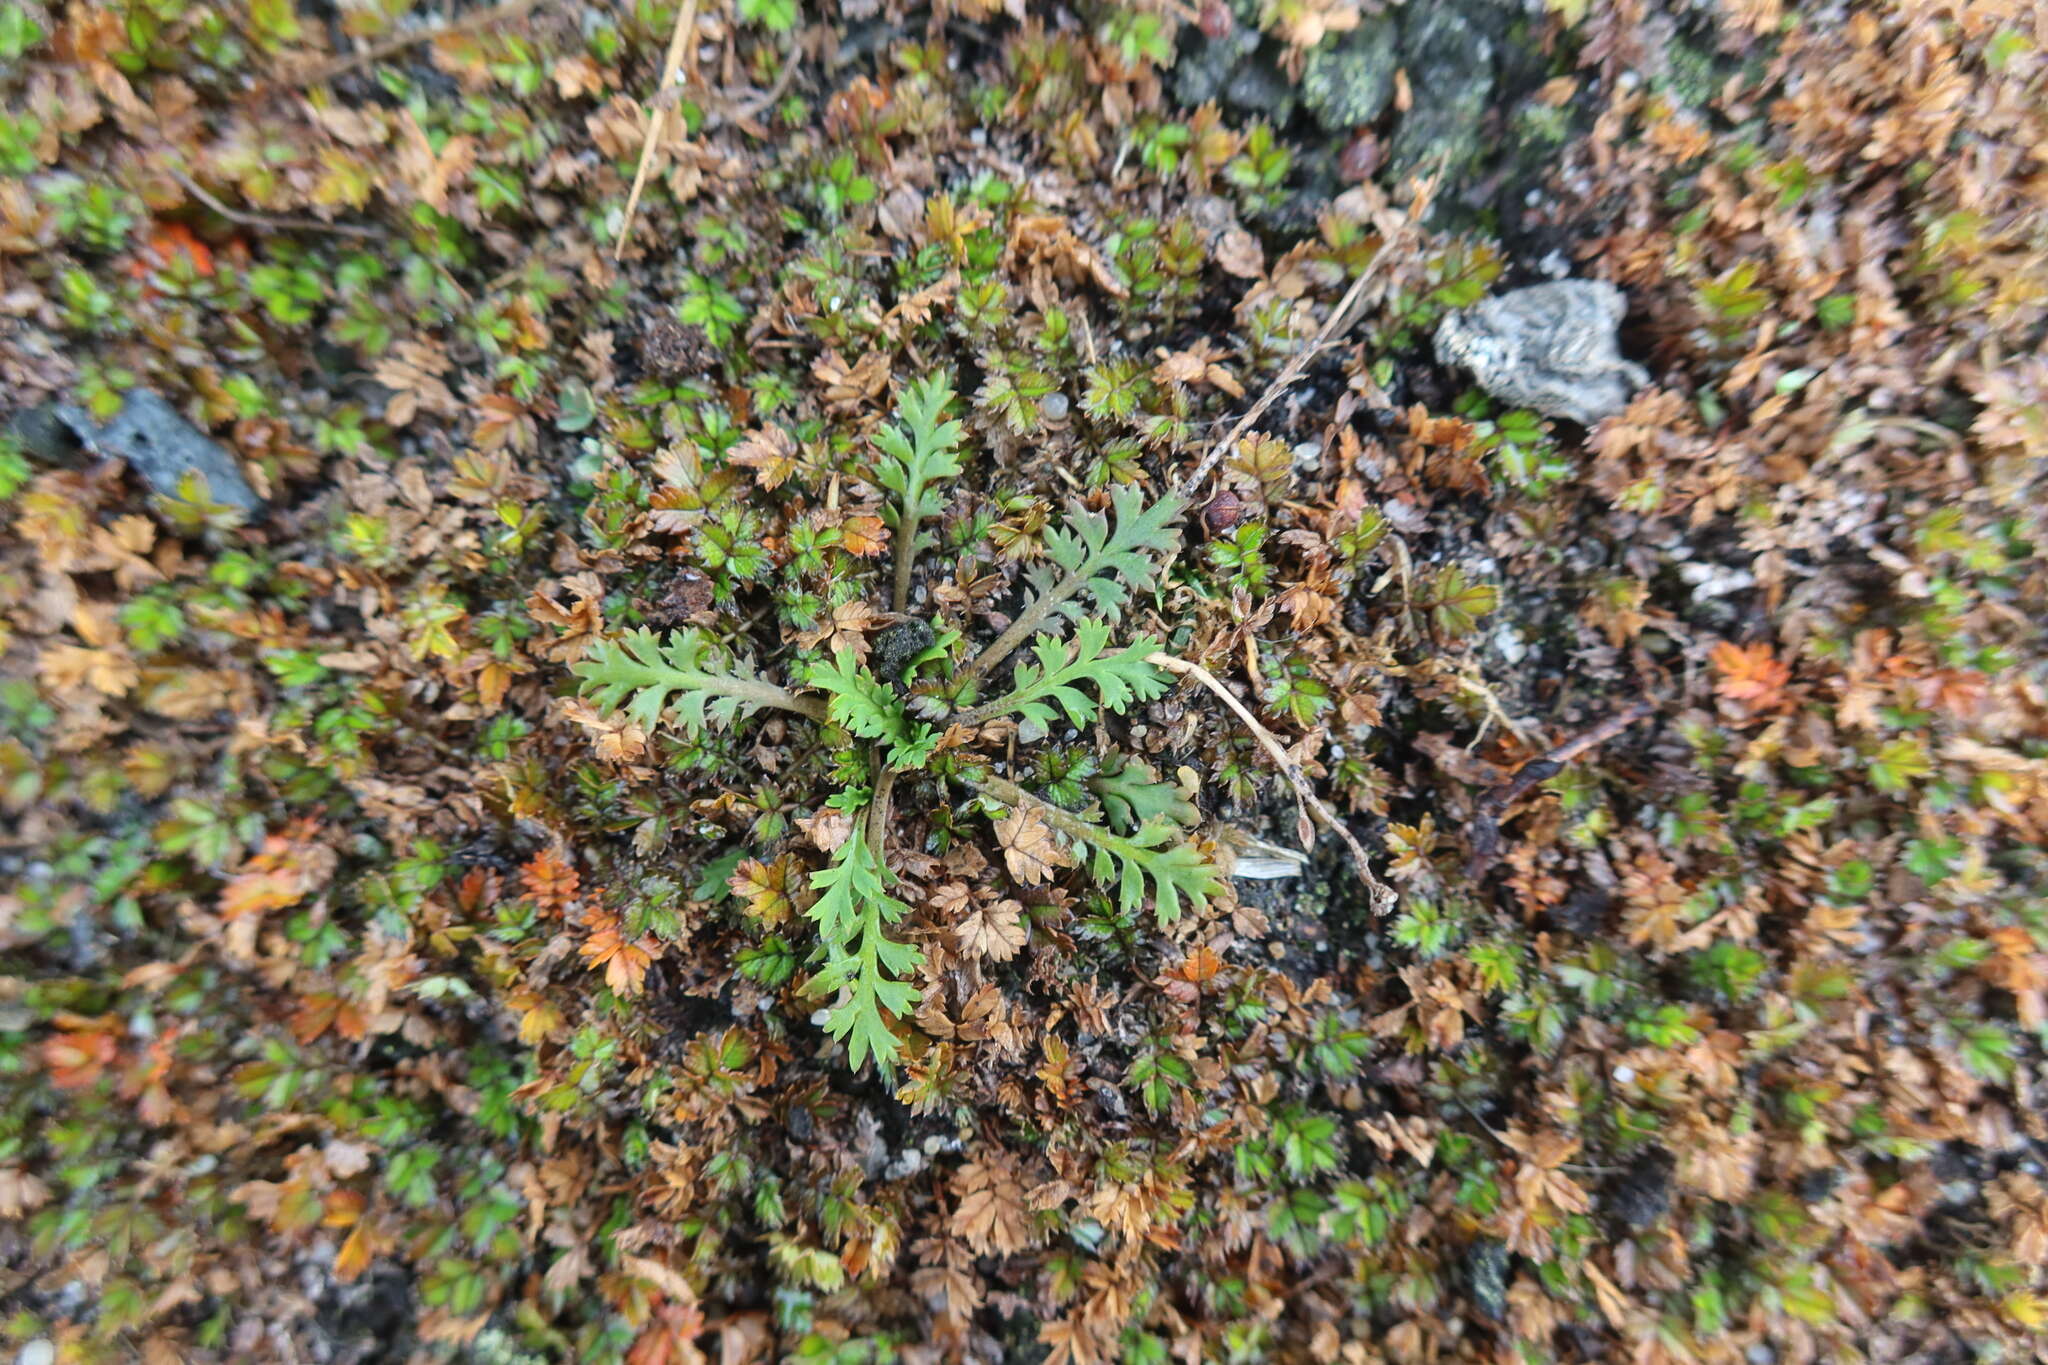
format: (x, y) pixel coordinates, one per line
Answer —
(1486, 1275)
(1449, 58)
(1641, 1195)
(1260, 87)
(44, 435)
(1351, 81)
(162, 448)
(1474, 68)
(1815, 1186)
(364, 1320)
(896, 646)
(668, 349)
(1204, 64)
(1582, 912)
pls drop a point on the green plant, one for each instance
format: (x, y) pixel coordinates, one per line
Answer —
(778, 16)
(1121, 823)
(98, 216)
(1140, 36)
(20, 135)
(18, 32)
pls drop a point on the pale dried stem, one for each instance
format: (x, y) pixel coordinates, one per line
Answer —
(1382, 895)
(265, 221)
(1292, 371)
(657, 120)
(1010, 794)
(377, 52)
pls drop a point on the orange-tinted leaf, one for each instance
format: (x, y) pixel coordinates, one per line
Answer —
(76, 1059)
(625, 964)
(864, 536)
(1750, 673)
(765, 889)
(549, 879)
(292, 865)
(355, 1254)
(1199, 966)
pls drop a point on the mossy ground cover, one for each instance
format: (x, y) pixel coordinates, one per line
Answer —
(693, 823)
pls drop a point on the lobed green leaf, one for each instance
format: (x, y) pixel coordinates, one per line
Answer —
(645, 675)
(862, 963)
(1119, 677)
(920, 449)
(1106, 562)
(869, 709)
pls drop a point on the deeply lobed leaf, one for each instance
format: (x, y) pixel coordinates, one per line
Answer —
(862, 963)
(686, 671)
(1132, 794)
(921, 448)
(1105, 561)
(1119, 678)
(1154, 860)
(868, 709)
(1175, 870)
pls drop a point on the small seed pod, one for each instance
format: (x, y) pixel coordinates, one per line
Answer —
(1361, 157)
(1224, 512)
(1054, 410)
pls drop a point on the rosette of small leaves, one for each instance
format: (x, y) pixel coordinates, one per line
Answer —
(1119, 677)
(688, 672)
(866, 708)
(863, 965)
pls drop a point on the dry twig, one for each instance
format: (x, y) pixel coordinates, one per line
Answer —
(1486, 819)
(264, 220)
(377, 52)
(1382, 895)
(784, 78)
(1332, 326)
(657, 121)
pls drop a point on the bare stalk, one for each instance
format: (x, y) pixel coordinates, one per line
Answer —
(906, 550)
(657, 119)
(377, 52)
(1010, 794)
(768, 694)
(1332, 325)
(1382, 895)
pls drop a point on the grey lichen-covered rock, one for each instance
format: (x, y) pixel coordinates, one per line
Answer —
(1205, 64)
(162, 448)
(896, 646)
(1450, 62)
(1350, 81)
(1550, 347)
(44, 434)
(1259, 86)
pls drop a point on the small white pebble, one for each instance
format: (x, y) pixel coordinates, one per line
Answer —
(37, 1352)
(820, 1018)
(1054, 407)
(1623, 1075)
